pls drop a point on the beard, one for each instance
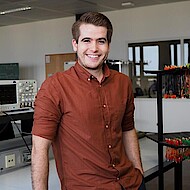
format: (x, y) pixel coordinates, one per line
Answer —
(94, 68)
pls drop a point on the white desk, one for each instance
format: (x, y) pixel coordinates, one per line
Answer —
(175, 115)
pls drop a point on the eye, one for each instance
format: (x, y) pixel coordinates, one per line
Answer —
(101, 41)
(86, 40)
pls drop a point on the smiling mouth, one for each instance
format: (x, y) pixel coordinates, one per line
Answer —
(93, 56)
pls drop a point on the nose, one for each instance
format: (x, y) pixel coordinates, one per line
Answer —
(94, 46)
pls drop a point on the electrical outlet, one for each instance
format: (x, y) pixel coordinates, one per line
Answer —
(26, 157)
(10, 160)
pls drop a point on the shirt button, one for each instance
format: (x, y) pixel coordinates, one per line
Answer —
(88, 79)
(113, 165)
(109, 146)
(117, 179)
(107, 126)
(104, 105)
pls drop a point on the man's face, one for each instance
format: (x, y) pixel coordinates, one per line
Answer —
(92, 47)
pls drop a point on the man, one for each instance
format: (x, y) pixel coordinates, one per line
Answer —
(87, 114)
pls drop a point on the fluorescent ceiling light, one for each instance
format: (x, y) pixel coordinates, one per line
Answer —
(129, 3)
(15, 10)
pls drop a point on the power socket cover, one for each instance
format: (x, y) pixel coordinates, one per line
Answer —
(10, 160)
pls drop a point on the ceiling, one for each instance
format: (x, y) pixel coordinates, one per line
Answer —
(51, 9)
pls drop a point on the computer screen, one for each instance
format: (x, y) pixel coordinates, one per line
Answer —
(9, 71)
(8, 94)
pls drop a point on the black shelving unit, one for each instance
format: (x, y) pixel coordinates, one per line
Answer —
(160, 136)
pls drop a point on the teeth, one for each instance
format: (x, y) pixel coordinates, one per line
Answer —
(93, 56)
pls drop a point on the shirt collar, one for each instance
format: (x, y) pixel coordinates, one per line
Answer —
(88, 75)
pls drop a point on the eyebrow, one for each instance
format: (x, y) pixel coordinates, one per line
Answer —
(85, 39)
(90, 38)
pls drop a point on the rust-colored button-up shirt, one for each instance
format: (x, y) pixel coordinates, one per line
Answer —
(85, 120)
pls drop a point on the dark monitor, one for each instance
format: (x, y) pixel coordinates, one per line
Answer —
(8, 94)
(9, 71)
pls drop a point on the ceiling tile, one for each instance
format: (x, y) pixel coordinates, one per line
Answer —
(51, 9)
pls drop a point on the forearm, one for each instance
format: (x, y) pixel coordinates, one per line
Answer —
(132, 149)
(40, 167)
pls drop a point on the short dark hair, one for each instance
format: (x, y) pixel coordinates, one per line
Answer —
(94, 18)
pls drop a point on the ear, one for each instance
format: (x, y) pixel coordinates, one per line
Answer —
(75, 45)
(108, 47)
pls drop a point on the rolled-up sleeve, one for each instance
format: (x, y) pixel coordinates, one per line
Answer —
(128, 118)
(47, 111)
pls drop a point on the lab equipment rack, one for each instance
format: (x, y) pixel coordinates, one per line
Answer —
(159, 137)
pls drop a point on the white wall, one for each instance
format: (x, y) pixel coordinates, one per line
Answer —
(174, 120)
(28, 43)
(168, 21)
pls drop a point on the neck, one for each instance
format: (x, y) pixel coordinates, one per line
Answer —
(98, 73)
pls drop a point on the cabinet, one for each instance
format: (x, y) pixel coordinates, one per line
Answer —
(56, 62)
(12, 141)
(16, 142)
(159, 137)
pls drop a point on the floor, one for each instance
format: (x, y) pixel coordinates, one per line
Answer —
(21, 179)
(169, 179)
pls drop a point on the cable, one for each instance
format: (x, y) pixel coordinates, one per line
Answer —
(20, 132)
(3, 129)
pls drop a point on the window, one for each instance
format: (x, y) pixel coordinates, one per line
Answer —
(186, 51)
(175, 53)
(153, 56)
(151, 59)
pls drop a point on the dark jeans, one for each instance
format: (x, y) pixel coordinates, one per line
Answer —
(142, 186)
